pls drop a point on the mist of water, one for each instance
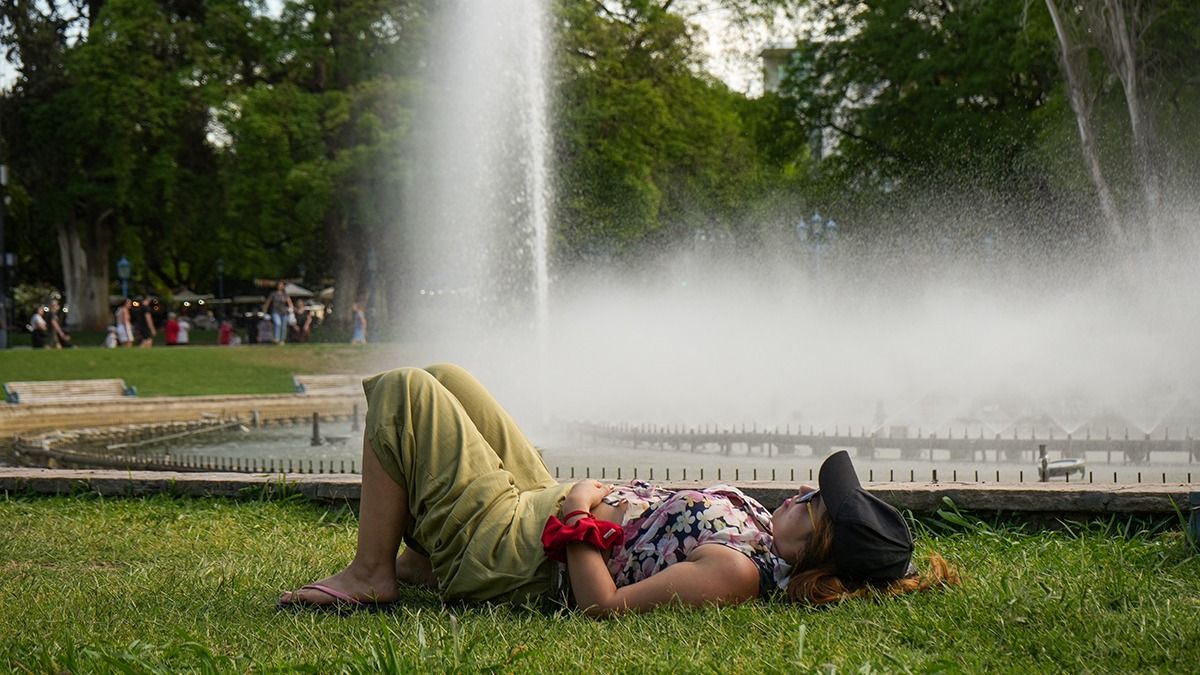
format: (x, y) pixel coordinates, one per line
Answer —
(842, 337)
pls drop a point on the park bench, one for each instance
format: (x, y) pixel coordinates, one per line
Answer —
(67, 391)
(327, 384)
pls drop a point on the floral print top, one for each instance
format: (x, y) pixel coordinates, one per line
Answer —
(663, 527)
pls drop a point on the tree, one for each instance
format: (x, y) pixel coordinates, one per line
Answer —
(108, 129)
(911, 98)
(151, 74)
(51, 137)
(317, 140)
(1143, 49)
(184, 132)
(651, 150)
(1082, 97)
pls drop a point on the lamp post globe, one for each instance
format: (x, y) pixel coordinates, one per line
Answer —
(123, 271)
(3, 260)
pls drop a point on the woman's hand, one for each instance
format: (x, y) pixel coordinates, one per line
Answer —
(585, 496)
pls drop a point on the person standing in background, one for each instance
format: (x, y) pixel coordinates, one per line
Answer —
(59, 338)
(171, 330)
(299, 331)
(143, 323)
(184, 327)
(225, 333)
(265, 330)
(123, 321)
(279, 305)
(38, 327)
(359, 337)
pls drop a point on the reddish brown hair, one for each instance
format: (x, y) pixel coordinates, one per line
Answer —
(816, 582)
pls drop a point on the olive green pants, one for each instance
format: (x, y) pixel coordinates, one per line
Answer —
(478, 492)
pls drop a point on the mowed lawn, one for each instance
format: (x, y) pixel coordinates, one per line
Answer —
(197, 370)
(169, 585)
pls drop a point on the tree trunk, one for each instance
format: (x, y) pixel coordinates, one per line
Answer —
(1120, 49)
(85, 272)
(341, 235)
(1080, 98)
(347, 266)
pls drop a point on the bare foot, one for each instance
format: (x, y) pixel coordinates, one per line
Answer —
(414, 569)
(359, 585)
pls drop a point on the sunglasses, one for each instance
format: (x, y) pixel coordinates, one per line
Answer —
(807, 497)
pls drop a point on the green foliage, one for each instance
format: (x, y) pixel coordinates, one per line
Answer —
(650, 150)
(45, 150)
(315, 143)
(26, 298)
(180, 133)
(147, 79)
(921, 96)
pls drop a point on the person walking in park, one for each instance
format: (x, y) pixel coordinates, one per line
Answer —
(185, 329)
(278, 305)
(225, 334)
(447, 471)
(359, 317)
(175, 331)
(59, 337)
(38, 328)
(171, 330)
(144, 331)
(123, 321)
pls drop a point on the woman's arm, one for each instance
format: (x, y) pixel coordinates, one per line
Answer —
(711, 575)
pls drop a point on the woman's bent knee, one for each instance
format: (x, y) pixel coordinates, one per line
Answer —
(393, 385)
(446, 371)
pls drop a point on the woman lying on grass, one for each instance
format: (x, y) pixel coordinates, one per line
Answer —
(446, 470)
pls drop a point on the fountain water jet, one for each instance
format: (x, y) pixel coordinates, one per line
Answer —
(474, 237)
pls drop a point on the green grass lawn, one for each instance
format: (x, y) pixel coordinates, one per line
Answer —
(165, 585)
(195, 370)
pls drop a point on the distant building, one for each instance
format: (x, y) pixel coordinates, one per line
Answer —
(775, 60)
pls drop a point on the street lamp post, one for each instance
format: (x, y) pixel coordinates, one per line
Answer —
(3, 260)
(123, 271)
(221, 284)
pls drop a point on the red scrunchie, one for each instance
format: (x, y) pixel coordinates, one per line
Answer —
(600, 534)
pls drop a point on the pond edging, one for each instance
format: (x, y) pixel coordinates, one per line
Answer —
(1045, 499)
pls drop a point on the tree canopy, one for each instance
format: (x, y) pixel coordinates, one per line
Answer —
(183, 133)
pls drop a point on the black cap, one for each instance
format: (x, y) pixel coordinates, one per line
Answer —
(871, 541)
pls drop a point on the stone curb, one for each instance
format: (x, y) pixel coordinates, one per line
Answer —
(25, 418)
(1031, 499)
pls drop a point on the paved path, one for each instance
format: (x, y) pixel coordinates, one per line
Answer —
(26, 417)
(1049, 499)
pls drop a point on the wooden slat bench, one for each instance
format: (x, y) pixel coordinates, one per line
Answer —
(331, 384)
(67, 391)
